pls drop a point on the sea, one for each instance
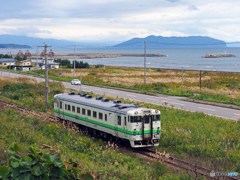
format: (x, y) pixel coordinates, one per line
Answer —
(187, 59)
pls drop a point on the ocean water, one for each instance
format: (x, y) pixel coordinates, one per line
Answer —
(188, 59)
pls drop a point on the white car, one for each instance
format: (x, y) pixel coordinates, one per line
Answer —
(75, 82)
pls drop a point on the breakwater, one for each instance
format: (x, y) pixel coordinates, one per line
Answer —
(98, 55)
(218, 55)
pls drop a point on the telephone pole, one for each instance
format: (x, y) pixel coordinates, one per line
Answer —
(46, 77)
(74, 59)
(144, 62)
(37, 56)
(47, 89)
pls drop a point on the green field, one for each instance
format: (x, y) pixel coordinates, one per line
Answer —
(207, 139)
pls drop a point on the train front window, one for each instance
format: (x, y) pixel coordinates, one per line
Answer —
(135, 119)
(156, 117)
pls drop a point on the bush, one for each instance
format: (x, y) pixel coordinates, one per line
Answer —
(38, 165)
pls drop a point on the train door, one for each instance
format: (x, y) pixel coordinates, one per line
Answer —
(116, 124)
(125, 126)
(147, 127)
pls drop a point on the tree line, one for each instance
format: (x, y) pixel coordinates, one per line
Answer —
(5, 56)
(67, 63)
(18, 58)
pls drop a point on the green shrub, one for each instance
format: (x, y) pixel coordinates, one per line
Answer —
(39, 165)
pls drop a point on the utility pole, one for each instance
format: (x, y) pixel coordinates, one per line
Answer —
(2, 66)
(102, 72)
(200, 81)
(170, 81)
(144, 62)
(74, 59)
(182, 79)
(10, 64)
(47, 89)
(46, 77)
(37, 55)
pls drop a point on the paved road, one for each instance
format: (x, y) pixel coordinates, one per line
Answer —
(173, 100)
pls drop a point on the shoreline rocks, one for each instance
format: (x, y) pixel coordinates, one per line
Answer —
(218, 55)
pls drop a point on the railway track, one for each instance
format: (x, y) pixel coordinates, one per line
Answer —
(172, 161)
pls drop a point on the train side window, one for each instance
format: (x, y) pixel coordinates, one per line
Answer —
(89, 112)
(128, 118)
(78, 110)
(119, 120)
(60, 104)
(125, 121)
(105, 117)
(65, 106)
(69, 107)
(100, 116)
(83, 111)
(94, 114)
(73, 108)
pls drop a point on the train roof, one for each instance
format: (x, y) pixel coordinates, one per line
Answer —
(122, 107)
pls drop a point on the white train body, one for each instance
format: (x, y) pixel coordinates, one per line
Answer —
(128, 122)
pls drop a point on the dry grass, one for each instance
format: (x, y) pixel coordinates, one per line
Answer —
(224, 91)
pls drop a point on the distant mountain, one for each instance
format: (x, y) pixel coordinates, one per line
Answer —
(14, 46)
(33, 42)
(233, 44)
(173, 42)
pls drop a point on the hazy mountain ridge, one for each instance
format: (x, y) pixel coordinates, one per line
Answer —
(173, 42)
(9, 41)
(33, 42)
(14, 46)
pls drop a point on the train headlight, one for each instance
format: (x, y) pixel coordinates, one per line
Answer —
(136, 112)
(156, 111)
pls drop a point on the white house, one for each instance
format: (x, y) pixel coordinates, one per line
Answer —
(7, 62)
(27, 62)
(50, 66)
(50, 61)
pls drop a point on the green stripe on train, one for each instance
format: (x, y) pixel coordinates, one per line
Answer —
(105, 125)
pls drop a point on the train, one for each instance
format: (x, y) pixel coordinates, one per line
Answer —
(131, 124)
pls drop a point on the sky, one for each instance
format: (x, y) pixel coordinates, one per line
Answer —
(120, 20)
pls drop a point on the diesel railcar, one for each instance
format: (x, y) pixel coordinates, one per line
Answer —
(113, 120)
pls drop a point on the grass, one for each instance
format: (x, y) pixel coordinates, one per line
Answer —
(91, 155)
(194, 135)
(215, 86)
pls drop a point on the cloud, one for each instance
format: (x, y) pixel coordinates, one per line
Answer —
(104, 20)
(173, 1)
(192, 8)
(27, 31)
